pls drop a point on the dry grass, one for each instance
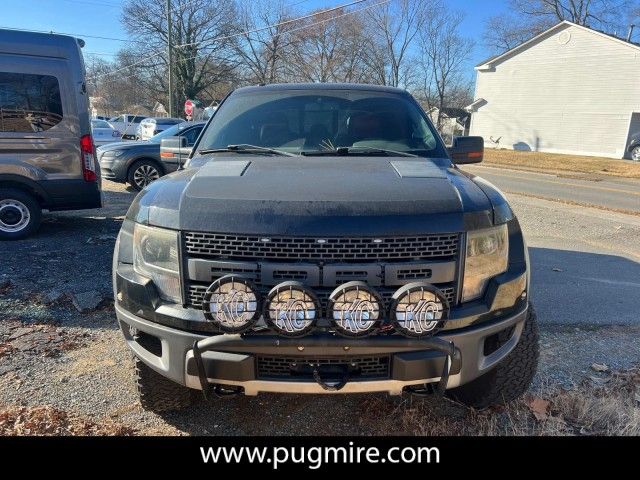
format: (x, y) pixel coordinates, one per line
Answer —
(558, 163)
(602, 406)
(47, 420)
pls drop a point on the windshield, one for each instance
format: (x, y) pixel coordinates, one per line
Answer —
(168, 121)
(169, 132)
(99, 124)
(308, 121)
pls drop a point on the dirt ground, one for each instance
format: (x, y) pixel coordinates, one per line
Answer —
(65, 370)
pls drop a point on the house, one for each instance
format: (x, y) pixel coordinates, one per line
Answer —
(453, 121)
(98, 106)
(159, 110)
(570, 89)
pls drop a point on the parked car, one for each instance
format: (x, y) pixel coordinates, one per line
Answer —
(633, 149)
(322, 239)
(127, 124)
(47, 157)
(103, 133)
(140, 163)
(154, 125)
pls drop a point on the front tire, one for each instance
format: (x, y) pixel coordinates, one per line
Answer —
(159, 394)
(142, 173)
(635, 153)
(20, 214)
(511, 377)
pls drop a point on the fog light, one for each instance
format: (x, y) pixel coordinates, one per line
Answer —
(231, 302)
(419, 309)
(355, 309)
(291, 309)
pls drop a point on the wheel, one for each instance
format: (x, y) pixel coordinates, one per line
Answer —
(159, 394)
(635, 153)
(20, 214)
(142, 173)
(510, 378)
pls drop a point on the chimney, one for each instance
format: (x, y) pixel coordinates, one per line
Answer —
(631, 27)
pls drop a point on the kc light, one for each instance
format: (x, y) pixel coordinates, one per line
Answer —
(355, 309)
(291, 309)
(487, 255)
(418, 309)
(155, 256)
(231, 303)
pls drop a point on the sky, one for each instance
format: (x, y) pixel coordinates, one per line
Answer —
(101, 18)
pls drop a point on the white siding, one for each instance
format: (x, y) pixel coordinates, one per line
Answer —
(574, 97)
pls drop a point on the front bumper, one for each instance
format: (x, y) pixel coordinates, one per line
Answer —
(113, 168)
(231, 360)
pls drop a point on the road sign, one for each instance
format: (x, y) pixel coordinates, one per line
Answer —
(188, 107)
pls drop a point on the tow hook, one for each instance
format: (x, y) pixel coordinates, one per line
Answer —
(330, 387)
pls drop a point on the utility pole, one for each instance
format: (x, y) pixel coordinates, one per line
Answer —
(170, 57)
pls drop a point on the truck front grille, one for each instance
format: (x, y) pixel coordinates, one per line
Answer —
(353, 249)
(369, 367)
(196, 293)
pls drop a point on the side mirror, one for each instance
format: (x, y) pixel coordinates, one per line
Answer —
(466, 150)
(173, 142)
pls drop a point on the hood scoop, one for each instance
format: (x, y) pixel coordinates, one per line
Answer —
(226, 168)
(417, 169)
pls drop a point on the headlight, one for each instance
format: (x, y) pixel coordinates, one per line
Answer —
(113, 153)
(487, 256)
(155, 256)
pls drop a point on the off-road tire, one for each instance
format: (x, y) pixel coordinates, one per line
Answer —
(21, 199)
(510, 378)
(159, 394)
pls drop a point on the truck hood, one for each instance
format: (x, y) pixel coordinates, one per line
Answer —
(316, 196)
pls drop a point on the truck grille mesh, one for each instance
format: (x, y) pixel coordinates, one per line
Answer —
(331, 248)
(281, 367)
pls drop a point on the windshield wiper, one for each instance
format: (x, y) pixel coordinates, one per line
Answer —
(359, 150)
(245, 148)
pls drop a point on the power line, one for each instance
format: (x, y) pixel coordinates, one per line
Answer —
(286, 22)
(320, 22)
(226, 37)
(80, 35)
(284, 33)
(105, 54)
(101, 4)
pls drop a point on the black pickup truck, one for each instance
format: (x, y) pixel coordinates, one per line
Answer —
(321, 239)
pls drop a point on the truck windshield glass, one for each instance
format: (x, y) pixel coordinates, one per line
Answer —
(321, 121)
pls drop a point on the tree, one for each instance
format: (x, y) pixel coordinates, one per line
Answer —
(330, 47)
(444, 53)
(119, 86)
(202, 39)
(262, 50)
(394, 26)
(528, 18)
